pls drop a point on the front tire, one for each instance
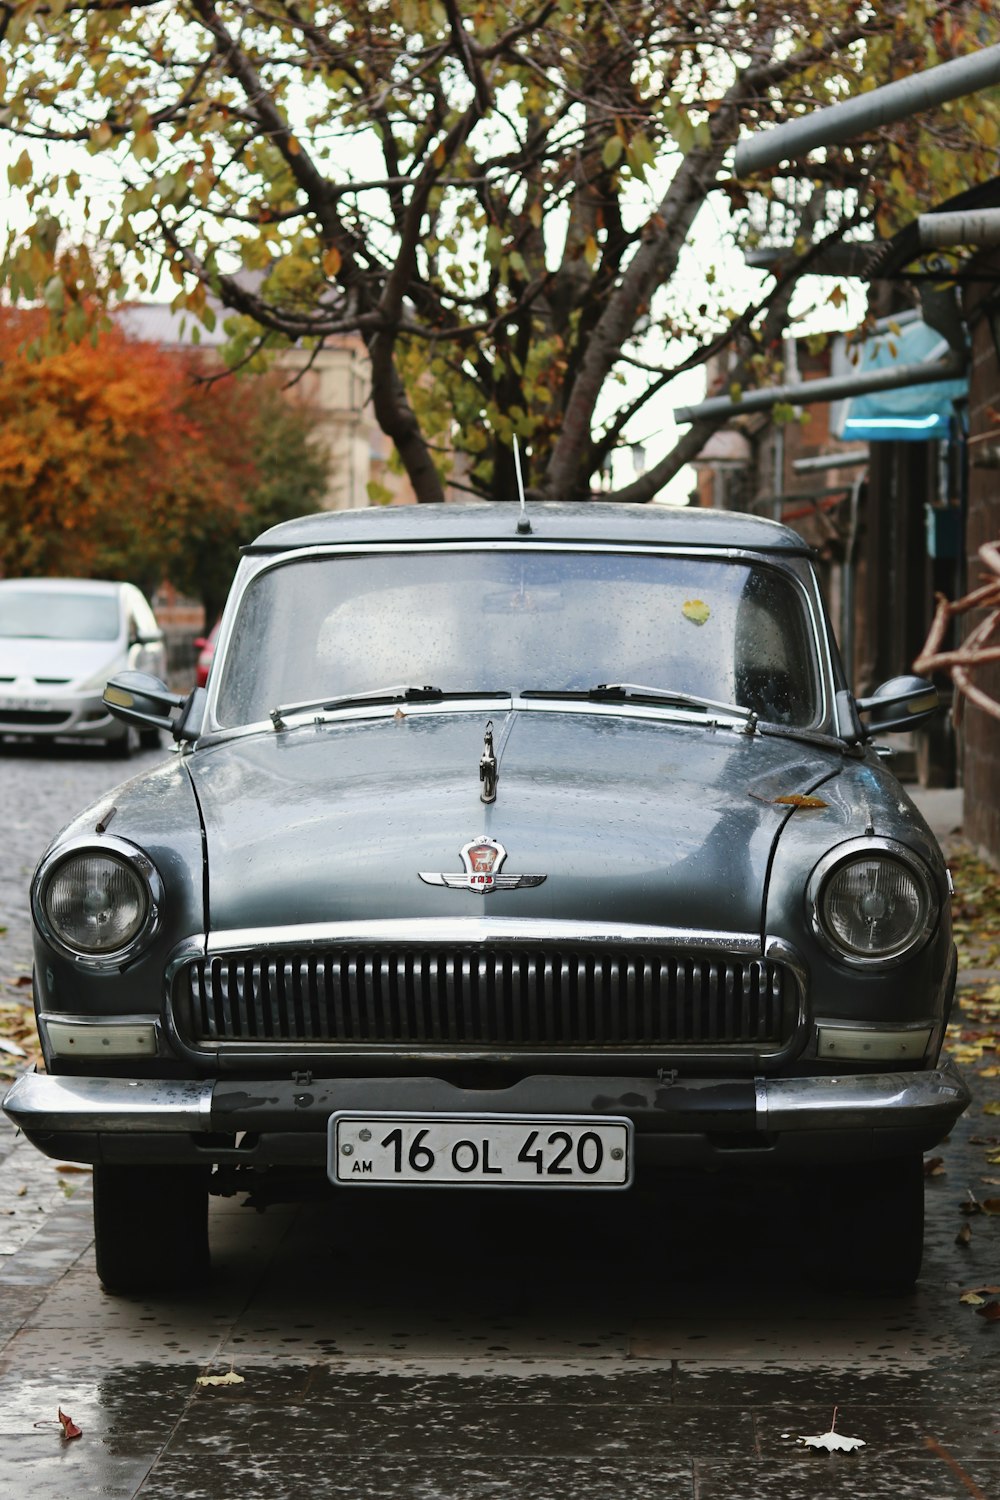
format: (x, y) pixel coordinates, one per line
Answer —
(126, 745)
(150, 1227)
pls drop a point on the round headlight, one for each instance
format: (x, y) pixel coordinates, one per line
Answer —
(95, 903)
(876, 904)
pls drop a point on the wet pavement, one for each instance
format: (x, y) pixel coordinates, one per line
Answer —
(478, 1347)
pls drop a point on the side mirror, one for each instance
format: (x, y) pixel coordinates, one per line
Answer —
(139, 698)
(900, 703)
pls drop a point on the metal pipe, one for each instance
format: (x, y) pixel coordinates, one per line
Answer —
(894, 101)
(847, 460)
(977, 227)
(813, 392)
(836, 260)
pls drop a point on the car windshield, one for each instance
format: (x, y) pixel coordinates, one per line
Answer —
(50, 615)
(539, 620)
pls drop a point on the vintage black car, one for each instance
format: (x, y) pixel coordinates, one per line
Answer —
(539, 848)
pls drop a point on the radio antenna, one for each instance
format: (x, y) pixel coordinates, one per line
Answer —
(523, 524)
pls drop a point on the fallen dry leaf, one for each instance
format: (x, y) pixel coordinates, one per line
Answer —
(69, 1427)
(230, 1379)
(992, 1108)
(991, 1312)
(990, 1205)
(934, 1166)
(981, 1291)
(832, 1441)
(972, 1299)
(696, 610)
(795, 799)
(964, 1235)
(71, 1166)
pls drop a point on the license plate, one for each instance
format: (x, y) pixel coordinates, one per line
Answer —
(454, 1150)
(18, 705)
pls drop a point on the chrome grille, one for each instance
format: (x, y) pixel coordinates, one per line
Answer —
(476, 997)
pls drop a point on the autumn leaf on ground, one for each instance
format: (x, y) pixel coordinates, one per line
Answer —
(964, 1235)
(972, 1299)
(833, 1441)
(992, 1108)
(991, 1312)
(990, 1205)
(794, 799)
(229, 1379)
(934, 1166)
(69, 1427)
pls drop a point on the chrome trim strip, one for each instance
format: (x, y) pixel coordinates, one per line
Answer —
(629, 709)
(472, 930)
(142, 866)
(41, 1102)
(760, 1101)
(859, 1100)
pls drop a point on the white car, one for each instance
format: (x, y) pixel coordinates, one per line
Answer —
(60, 641)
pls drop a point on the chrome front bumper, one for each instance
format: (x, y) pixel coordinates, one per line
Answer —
(817, 1118)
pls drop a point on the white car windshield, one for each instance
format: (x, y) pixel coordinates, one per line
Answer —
(537, 620)
(51, 615)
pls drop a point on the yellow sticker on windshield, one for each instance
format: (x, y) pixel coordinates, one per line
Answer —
(696, 610)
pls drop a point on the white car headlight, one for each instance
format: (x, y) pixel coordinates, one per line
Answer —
(98, 902)
(872, 901)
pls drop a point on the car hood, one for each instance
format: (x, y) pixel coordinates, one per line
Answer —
(64, 660)
(629, 819)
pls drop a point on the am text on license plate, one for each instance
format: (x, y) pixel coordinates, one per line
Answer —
(454, 1150)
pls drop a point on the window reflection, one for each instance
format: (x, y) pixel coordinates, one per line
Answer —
(506, 621)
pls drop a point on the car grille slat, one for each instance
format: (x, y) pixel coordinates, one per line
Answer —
(466, 997)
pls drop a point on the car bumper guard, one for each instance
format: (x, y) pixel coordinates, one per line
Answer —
(923, 1105)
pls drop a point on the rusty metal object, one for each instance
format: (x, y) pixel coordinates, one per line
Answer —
(980, 647)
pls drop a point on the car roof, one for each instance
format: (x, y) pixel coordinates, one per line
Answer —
(551, 521)
(65, 585)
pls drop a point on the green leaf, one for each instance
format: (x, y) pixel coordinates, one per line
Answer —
(54, 295)
(19, 173)
(614, 148)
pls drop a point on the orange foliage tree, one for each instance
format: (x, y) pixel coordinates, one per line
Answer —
(116, 460)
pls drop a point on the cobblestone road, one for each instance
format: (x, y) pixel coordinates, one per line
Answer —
(511, 1353)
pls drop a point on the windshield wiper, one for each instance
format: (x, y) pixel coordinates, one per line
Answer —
(621, 692)
(403, 693)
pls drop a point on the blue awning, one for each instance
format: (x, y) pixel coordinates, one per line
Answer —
(913, 413)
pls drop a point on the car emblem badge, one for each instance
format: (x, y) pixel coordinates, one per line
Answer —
(482, 859)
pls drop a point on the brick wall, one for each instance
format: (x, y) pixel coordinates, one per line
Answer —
(981, 732)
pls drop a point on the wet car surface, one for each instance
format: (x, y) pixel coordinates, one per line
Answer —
(545, 853)
(494, 1347)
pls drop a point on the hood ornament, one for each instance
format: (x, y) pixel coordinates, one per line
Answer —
(488, 768)
(482, 859)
